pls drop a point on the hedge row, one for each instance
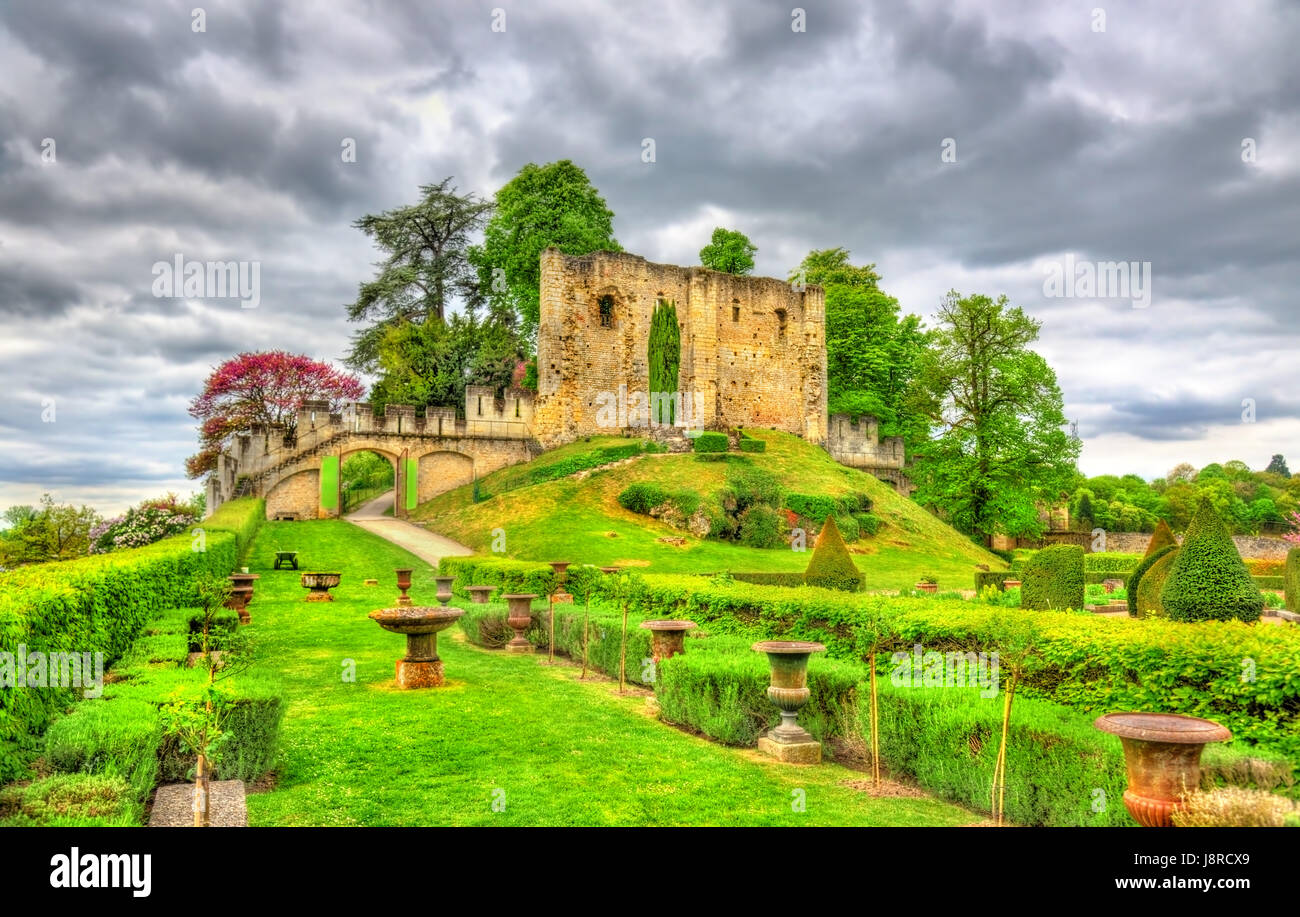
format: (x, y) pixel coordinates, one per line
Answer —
(1083, 661)
(710, 443)
(944, 738)
(750, 444)
(99, 604)
(1291, 579)
(517, 576)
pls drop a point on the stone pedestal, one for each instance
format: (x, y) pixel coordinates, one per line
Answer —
(562, 598)
(423, 673)
(798, 752)
(478, 595)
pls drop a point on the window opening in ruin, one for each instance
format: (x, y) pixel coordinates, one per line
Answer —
(516, 407)
(606, 311)
(735, 313)
(480, 405)
(780, 321)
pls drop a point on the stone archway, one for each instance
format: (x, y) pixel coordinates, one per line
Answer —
(296, 495)
(350, 503)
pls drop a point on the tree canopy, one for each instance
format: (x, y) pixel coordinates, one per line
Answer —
(729, 251)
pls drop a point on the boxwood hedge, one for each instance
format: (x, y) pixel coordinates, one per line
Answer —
(1053, 579)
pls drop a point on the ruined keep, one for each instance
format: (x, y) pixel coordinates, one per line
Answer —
(753, 354)
(753, 349)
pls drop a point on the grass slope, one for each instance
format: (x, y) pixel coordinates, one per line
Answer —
(556, 750)
(579, 518)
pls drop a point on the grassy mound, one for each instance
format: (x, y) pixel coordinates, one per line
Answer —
(579, 517)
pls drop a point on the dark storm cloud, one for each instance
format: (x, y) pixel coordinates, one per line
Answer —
(225, 145)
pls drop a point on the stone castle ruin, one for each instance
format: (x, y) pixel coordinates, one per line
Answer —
(753, 354)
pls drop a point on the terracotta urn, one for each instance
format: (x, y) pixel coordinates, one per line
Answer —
(478, 595)
(519, 618)
(444, 588)
(1011, 584)
(1162, 752)
(320, 585)
(928, 587)
(403, 584)
(667, 638)
(421, 667)
(789, 688)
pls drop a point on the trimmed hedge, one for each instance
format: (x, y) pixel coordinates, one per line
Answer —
(770, 579)
(242, 518)
(119, 738)
(1110, 562)
(831, 565)
(1292, 579)
(1153, 580)
(1162, 537)
(1208, 580)
(1134, 581)
(517, 576)
(710, 442)
(750, 444)
(990, 578)
(1053, 579)
(100, 604)
(1091, 663)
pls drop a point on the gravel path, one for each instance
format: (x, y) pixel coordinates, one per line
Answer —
(426, 545)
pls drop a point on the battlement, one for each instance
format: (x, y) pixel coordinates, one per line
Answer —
(856, 442)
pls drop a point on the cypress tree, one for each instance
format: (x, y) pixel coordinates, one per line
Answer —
(664, 357)
(1208, 579)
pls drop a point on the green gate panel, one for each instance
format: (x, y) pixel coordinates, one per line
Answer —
(412, 484)
(329, 482)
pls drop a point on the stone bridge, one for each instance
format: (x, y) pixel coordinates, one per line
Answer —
(299, 475)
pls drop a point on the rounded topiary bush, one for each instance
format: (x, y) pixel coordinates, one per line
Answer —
(1208, 580)
(1148, 591)
(642, 497)
(832, 566)
(1054, 579)
(1135, 578)
(1162, 537)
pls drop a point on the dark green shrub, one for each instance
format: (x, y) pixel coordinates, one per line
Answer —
(251, 723)
(812, 506)
(761, 527)
(1134, 581)
(749, 486)
(1153, 580)
(1053, 579)
(642, 497)
(224, 623)
(1162, 537)
(831, 566)
(868, 523)
(750, 444)
(1208, 580)
(848, 526)
(710, 442)
(1270, 582)
(1292, 579)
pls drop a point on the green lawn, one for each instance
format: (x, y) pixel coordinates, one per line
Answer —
(556, 750)
(581, 520)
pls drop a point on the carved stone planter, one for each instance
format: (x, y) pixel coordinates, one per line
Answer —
(403, 584)
(560, 596)
(478, 595)
(667, 638)
(444, 588)
(320, 585)
(1162, 752)
(420, 667)
(789, 741)
(520, 616)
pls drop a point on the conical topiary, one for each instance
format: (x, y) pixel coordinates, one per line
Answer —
(832, 566)
(1151, 585)
(1161, 537)
(1208, 580)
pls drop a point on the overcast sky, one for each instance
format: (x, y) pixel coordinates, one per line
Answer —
(963, 145)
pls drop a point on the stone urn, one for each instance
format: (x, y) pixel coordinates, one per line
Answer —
(403, 584)
(444, 588)
(237, 601)
(244, 580)
(610, 570)
(320, 585)
(560, 595)
(1011, 584)
(420, 667)
(520, 616)
(667, 638)
(789, 741)
(1162, 752)
(478, 595)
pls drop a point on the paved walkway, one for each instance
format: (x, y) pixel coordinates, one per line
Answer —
(426, 545)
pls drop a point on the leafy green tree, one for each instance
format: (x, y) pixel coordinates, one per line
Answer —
(425, 265)
(999, 446)
(50, 531)
(1277, 465)
(871, 351)
(542, 206)
(729, 251)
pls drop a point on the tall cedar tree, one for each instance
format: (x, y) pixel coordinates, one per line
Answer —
(664, 355)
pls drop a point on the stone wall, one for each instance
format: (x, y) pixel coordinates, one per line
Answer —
(856, 442)
(753, 349)
(297, 495)
(1256, 546)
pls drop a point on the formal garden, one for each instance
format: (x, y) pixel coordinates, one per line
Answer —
(311, 673)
